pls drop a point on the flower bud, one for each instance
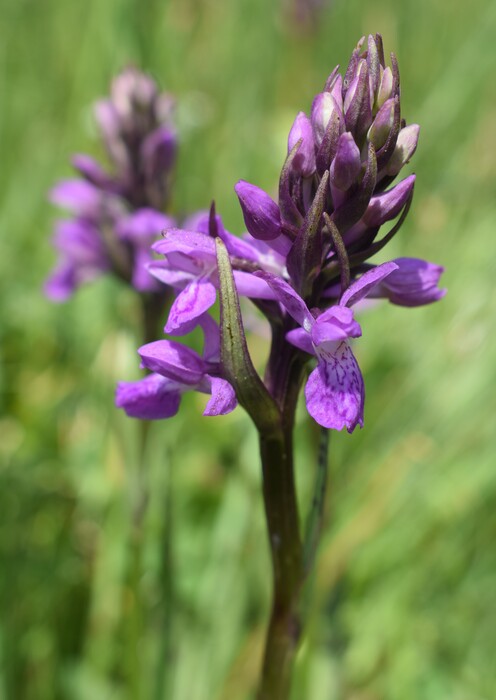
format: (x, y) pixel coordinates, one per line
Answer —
(357, 103)
(93, 172)
(382, 124)
(260, 212)
(385, 88)
(323, 107)
(304, 160)
(406, 146)
(132, 90)
(346, 165)
(387, 205)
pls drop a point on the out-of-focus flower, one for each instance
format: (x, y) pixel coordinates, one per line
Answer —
(117, 215)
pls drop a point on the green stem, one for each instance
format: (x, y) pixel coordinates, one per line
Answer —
(284, 378)
(152, 307)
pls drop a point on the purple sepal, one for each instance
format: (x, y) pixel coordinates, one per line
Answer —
(335, 391)
(346, 165)
(366, 283)
(415, 282)
(289, 298)
(260, 212)
(151, 398)
(304, 161)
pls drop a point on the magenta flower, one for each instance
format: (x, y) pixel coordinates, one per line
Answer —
(335, 390)
(175, 369)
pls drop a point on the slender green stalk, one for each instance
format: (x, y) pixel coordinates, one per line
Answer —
(284, 378)
(134, 608)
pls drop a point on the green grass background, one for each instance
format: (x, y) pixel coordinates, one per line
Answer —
(403, 603)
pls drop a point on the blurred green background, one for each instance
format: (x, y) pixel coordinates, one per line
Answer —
(403, 603)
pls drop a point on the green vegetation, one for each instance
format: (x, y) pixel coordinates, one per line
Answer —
(402, 605)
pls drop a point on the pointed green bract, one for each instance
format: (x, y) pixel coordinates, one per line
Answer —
(235, 358)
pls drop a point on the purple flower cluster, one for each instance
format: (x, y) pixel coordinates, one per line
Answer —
(304, 259)
(116, 216)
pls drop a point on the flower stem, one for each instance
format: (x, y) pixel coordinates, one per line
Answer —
(284, 378)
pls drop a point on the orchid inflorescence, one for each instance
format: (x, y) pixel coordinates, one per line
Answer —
(303, 262)
(116, 216)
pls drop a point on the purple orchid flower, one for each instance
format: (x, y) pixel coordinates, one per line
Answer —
(175, 369)
(335, 391)
(117, 215)
(190, 266)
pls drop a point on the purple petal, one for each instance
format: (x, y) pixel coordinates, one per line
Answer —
(196, 245)
(196, 298)
(77, 196)
(291, 301)
(151, 398)
(363, 286)
(304, 161)
(62, 283)
(144, 225)
(414, 283)
(260, 212)
(336, 323)
(335, 391)
(173, 360)
(301, 339)
(223, 398)
(387, 205)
